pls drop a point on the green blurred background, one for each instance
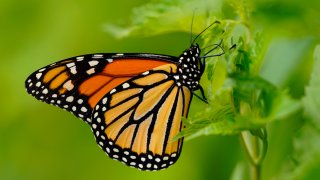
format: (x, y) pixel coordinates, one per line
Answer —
(38, 141)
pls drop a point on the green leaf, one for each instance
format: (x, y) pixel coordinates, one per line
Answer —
(312, 99)
(306, 153)
(242, 7)
(162, 16)
(307, 144)
(223, 116)
(283, 57)
(284, 17)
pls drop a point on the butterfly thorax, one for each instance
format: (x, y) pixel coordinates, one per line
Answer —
(189, 73)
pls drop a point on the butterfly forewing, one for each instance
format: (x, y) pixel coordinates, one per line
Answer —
(77, 84)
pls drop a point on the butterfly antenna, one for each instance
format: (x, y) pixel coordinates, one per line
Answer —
(233, 47)
(215, 22)
(216, 46)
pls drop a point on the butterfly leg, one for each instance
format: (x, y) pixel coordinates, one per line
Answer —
(203, 98)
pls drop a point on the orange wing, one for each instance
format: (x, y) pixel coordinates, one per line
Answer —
(77, 84)
(136, 121)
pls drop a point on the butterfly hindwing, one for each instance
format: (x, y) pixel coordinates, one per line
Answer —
(136, 121)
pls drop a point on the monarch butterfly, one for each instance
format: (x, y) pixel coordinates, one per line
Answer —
(133, 102)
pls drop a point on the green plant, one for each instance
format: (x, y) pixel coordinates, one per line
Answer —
(242, 99)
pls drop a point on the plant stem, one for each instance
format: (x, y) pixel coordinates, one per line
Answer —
(255, 145)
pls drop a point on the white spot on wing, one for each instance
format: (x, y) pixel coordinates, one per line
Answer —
(42, 69)
(125, 85)
(45, 91)
(104, 100)
(68, 85)
(108, 150)
(97, 56)
(73, 70)
(38, 75)
(91, 71)
(69, 99)
(69, 65)
(80, 101)
(80, 58)
(113, 91)
(103, 137)
(83, 109)
(93, 63)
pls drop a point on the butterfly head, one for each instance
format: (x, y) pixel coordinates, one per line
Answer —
(190, 67)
